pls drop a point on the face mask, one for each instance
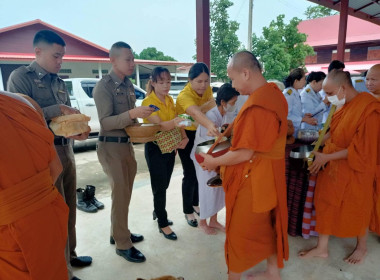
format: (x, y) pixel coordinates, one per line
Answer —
(230, 108)
(334, 100)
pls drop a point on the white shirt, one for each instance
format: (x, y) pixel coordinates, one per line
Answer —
(312, 103)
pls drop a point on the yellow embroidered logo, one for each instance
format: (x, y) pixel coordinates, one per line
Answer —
(289, 91)
(359, 81)
(307, 90)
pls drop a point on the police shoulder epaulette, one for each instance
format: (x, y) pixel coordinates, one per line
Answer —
(359, 81)
(307, 90)
(289, 91)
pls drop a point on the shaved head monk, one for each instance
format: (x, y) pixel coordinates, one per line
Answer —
(33, 215)
(253, 174)
(373, 85)
(344, 190)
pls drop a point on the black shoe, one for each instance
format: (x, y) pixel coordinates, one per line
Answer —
(193, 223)
(134, 238)
(81, 261)
(170, 236)
(75, 278)
(90, 193)
(170, 222)
(83, 203)
(132, 255)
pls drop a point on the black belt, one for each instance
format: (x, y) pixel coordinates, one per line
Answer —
(114, 139)
(61, 141)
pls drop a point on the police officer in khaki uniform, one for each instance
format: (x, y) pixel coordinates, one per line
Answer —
(40, 81)
(115, 99)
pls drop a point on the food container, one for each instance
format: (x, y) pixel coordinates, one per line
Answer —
(142, 132)
(220, 149)
(307, 135)
(298, 156)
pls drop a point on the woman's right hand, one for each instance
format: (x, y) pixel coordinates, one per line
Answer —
(212, 130)
(177, 121)
(308, 119)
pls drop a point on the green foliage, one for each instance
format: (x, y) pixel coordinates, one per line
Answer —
(153, 54)
(318, 12)
(281, 48)
(224, 41)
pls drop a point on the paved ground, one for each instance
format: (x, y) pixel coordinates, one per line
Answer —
(195, 256)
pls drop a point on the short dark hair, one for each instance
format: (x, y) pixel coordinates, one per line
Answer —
(295, 74)
(340, 77)
(336, 64)
(315, 76)
(245, 59)
(226, 92)
(117, 46)
(48, 37)
(197, 69)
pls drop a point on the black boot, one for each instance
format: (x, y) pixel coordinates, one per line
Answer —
(83, 203)
(90, 193)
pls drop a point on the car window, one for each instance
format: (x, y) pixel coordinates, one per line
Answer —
(88, 87)
(139, 94)
(69, 87)
(178, 86)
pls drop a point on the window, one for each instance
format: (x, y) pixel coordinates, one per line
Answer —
(88, 87)
(178, 85)
(69, 87)
(95, 71)
(66, 71)
(139, 94)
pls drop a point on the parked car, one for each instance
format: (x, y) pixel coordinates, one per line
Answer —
(80, 91)
(176, 87)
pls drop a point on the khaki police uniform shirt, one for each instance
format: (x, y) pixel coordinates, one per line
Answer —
(113, 99)
(47, 89)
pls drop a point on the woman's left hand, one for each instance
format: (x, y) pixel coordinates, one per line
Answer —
(183, 143)
(320, 159)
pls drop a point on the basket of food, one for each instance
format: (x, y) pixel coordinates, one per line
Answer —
(308, 135)
(142, 132)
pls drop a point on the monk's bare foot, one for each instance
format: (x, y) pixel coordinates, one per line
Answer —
(357, 256)
(264, 275)
(216, 225)
(312, 253)
(208, 230)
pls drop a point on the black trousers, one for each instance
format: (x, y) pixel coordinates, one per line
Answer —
(160, 169)
(189, 181)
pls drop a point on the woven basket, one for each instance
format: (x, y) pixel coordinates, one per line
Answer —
(142, 132)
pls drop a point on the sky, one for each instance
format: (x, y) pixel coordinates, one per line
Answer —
(167, 25)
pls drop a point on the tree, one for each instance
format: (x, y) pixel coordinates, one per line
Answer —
(281, 48)
(152, 53)
(224, 41)
(318, 12)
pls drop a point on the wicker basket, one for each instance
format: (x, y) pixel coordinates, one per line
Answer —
(142, 133)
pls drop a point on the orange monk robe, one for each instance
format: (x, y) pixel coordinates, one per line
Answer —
(375, 219)
(33, 215)
(256, 211)
(344, 190)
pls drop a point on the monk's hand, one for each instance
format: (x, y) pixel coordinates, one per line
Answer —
(67, 110)
(309, 120)
(208, 163)
(320, 159)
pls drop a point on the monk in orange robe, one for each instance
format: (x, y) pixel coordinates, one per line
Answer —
(253, 174)
(373, 85)
(344, 190)
(33, 215)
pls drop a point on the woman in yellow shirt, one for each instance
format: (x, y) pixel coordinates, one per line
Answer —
(161, 165)
(196, 93)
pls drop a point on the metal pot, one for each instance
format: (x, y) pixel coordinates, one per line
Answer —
(220, 149)
(308, 135)
(298, 156)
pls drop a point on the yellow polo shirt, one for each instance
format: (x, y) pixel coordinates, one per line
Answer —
(167, 109)
(188, 97)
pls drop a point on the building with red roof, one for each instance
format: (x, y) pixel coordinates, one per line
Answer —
(83, 59)
(362, 43)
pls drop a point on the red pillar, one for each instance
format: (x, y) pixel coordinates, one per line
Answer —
(203, 31)
(342, 29)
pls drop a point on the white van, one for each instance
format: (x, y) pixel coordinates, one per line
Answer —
(80, 91)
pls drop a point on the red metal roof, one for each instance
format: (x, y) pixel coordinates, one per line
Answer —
(324, 31)
(354, 67)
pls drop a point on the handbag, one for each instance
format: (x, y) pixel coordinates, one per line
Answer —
(167, 141)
